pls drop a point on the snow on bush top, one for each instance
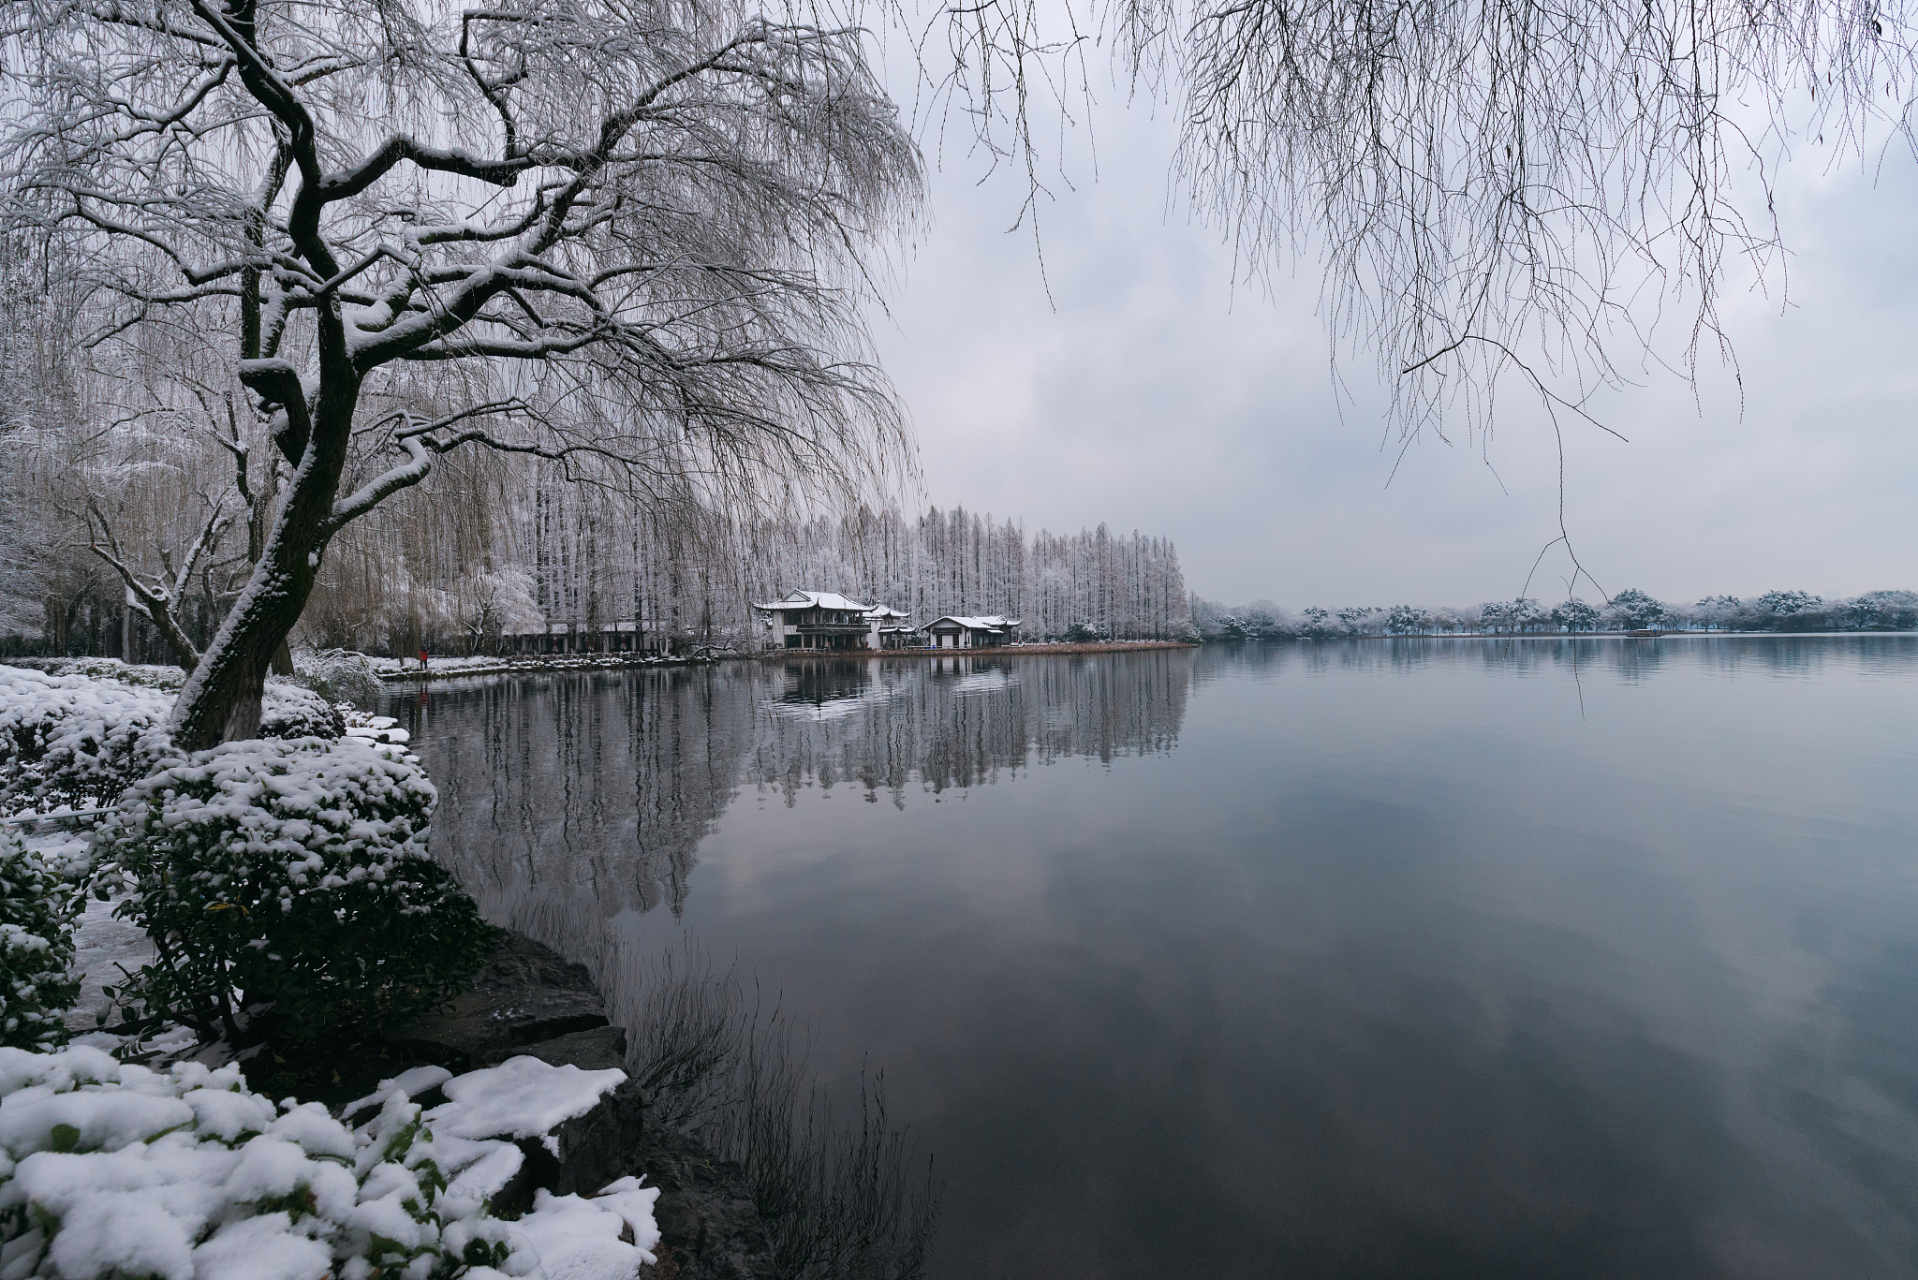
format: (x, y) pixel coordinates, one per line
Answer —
(288, 710)
(294, 872)
(341, 674)
(77, 739)
(109, 1169)
(327, 813)
(72, 742)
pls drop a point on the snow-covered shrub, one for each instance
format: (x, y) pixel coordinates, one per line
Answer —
(340, 674)
(38, 906)
(164, 677)
(71, 742)
(114, 1170)
(289, 710)
(292, 873)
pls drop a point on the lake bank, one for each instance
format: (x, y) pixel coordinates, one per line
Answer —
(1007, 651)
(462, 668)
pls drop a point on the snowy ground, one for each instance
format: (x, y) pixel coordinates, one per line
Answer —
(173, 1168)
(156, 1173)
(105, 950)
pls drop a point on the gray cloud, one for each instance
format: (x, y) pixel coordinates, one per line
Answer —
(1157, 396)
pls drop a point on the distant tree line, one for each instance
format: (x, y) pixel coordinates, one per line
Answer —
(1629, 610)
(112, 483)
(494, 554)
(578, 561)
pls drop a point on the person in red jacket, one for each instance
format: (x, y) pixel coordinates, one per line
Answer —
(422, 657)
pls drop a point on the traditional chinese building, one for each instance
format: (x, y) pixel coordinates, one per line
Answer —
(890, 628)
(820, 620)
(954, 632)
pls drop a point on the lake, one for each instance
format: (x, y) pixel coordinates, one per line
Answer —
(1415, 958)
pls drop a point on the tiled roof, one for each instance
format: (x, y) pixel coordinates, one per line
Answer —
(991, 623)
(814, 600)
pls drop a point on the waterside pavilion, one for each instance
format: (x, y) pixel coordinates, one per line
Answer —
(955, 632)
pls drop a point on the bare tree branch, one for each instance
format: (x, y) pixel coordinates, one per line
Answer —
(156, 598)
(643, 227)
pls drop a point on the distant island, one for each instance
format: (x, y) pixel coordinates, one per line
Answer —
(1629, 610)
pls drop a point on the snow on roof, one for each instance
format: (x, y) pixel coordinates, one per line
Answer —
(813, 600)
(884, 611)
(992, 622)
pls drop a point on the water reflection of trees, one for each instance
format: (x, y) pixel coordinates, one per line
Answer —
(568, 799)
(955, 722)
(1619, 657)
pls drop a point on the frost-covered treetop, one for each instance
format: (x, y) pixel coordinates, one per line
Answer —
(660, 188)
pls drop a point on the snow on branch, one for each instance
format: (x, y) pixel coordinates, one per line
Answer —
(652, 224)
(156, 597)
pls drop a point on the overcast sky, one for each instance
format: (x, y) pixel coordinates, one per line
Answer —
(1148, 393)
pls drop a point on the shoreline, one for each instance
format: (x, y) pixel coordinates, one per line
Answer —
(996, 651)
(566, 662)
(1570, 635)
(621, 662)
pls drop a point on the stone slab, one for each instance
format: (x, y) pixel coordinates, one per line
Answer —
(592, 1050)
(525, 993)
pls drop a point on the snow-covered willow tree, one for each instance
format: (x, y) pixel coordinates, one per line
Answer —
(624, 236)
(1496, 189)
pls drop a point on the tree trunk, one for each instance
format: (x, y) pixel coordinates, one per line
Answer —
(221, 700)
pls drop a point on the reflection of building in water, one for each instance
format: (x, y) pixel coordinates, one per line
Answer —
(566, 800)
(957, 721)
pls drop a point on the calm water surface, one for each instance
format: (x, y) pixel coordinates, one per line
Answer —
(1402, 958)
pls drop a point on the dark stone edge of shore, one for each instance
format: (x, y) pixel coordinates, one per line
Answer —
(529, 1000)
